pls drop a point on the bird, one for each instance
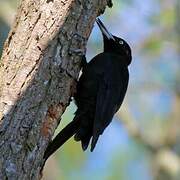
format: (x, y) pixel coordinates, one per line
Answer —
(100, 92)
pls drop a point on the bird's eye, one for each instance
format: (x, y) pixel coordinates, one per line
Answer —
(121, 42)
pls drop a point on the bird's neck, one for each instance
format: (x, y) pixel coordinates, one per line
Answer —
(124, 59)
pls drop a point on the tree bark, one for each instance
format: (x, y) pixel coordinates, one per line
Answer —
(39, 68)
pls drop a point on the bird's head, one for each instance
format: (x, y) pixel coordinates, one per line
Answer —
(114, 44)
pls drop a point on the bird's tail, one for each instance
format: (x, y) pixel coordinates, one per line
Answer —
(81, 127)
(62, 137)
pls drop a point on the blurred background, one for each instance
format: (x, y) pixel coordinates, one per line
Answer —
(143, 141)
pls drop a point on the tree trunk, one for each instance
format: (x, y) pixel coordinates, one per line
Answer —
(39, 68)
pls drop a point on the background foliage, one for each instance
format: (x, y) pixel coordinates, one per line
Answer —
(143, 141)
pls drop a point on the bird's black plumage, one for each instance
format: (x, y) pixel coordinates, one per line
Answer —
(100, 93)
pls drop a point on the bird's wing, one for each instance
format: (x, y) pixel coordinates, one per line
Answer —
(109, 98)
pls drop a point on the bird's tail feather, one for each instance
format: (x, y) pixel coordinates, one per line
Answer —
(62, 137)
(84, 133)
(84, 137)
(94, 141)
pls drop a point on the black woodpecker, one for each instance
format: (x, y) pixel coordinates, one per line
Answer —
(100, 93)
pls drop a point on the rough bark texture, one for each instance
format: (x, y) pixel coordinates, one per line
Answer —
(39, 68)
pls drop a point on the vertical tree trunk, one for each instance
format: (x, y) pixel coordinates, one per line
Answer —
(39, 68)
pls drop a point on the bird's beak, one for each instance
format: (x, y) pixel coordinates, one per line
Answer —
(103, 29)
